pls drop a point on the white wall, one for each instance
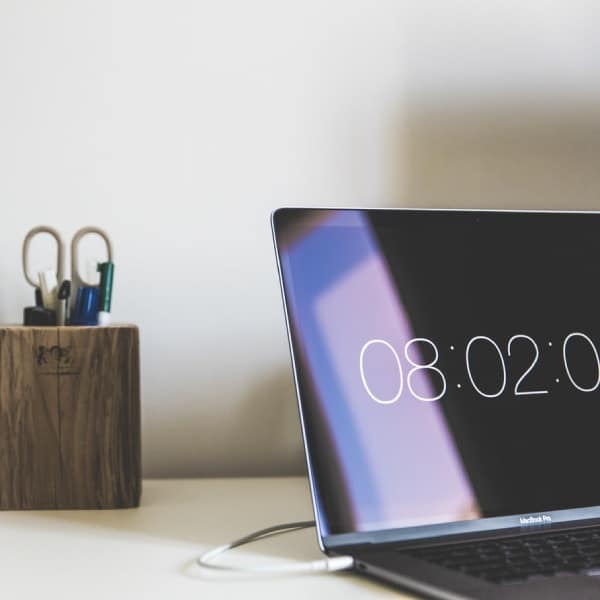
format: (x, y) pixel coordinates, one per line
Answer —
(179, 125)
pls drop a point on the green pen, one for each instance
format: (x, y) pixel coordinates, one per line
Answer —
(106, 270)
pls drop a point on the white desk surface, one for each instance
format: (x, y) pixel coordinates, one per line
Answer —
(145, 552)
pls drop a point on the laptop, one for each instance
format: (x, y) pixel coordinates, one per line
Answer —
(448, 380)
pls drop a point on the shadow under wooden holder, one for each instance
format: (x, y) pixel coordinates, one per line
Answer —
(69, 417)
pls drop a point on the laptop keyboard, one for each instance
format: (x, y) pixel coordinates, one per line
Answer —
(516, 559)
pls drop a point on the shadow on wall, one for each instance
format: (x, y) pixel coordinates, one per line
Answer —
(493, 158)
(276, 438)
(500, 158)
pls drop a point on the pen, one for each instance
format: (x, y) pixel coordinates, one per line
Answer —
(64, 294)
(85, 310)
(48, 286)
(106, 270)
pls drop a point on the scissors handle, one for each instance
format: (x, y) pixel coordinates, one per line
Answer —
(77, 279)
(59, 253)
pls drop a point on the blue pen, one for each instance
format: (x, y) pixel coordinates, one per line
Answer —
(86, 307)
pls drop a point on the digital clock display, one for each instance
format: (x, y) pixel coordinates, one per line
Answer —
(431, 366)
(448, 362)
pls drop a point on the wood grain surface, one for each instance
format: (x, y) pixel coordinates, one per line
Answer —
(69, 417)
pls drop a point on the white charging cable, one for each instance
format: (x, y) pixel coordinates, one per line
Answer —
(327, 564)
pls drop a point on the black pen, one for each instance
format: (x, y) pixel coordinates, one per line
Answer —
(64, 294)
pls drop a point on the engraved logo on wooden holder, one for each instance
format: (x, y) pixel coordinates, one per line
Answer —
(52, 360)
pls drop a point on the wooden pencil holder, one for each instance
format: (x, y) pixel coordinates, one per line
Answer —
(69, 417)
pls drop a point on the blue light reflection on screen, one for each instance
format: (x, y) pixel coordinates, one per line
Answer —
(338, 291)
(322, 256)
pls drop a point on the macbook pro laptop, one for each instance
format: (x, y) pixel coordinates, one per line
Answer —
(448, 378)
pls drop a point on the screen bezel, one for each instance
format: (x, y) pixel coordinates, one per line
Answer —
(408, 535)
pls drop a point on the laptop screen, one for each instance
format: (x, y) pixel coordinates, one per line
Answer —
(447, 363)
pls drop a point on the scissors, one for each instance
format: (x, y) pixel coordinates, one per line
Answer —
(76, 279)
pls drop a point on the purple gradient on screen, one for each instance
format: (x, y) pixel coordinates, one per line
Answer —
(398, 461)
(402, 441)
